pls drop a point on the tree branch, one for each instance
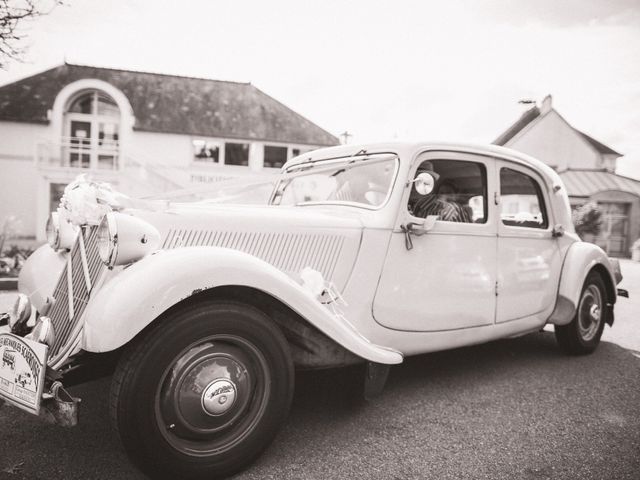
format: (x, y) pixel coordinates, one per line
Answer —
(13, 13)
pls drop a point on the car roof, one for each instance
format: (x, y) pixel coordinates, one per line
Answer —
(407, 150)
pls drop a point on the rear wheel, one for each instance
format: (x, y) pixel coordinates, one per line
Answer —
(204, 392)
(582, 335)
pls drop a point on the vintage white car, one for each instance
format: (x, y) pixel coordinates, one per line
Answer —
(361, 255)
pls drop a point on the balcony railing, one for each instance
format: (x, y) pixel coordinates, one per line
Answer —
(78, 152)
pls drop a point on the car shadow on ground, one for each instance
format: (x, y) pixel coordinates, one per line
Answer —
(332, 388)
(463, 413)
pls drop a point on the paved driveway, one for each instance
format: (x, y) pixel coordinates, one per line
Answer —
(626, 329)
(509, 409)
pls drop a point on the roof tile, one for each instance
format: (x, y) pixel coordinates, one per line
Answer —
(525, 119)
(600, 147)
(584, 183)
(530, 115)
(171, 104)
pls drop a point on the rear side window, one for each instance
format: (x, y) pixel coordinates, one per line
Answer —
(521, 200)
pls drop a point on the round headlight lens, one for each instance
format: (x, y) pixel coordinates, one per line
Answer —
(107, 240)
(53, 231)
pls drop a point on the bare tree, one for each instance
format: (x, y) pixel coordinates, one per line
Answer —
(13, 13)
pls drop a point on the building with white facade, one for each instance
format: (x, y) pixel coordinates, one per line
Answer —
(587, 168)
(145, 133)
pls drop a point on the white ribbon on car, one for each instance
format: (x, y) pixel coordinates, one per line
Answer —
(85, 201)
(324, 292)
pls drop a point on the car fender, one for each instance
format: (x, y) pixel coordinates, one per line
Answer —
(579, 260)
(135, 297)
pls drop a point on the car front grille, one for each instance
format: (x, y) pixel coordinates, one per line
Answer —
(81, 272)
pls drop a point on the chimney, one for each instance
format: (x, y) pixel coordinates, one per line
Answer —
(546, 105)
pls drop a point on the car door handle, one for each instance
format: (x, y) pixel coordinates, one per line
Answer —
(408, 230)
(417, 229)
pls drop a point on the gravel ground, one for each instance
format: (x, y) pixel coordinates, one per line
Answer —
(514, 408)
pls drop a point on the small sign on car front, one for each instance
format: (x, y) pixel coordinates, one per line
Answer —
(22, 371)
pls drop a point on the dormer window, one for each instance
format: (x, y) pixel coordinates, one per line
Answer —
(92, 131)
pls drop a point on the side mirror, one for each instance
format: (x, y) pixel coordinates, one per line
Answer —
(424, 183)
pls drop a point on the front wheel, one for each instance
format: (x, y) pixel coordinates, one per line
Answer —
(204, 392)
(582, 335)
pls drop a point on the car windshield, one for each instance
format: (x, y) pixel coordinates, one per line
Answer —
(363, 181)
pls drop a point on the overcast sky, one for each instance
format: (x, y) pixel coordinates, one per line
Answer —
(383, 70)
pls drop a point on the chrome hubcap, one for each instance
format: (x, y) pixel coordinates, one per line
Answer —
(590, 312)
(218, 397)
(212, 395)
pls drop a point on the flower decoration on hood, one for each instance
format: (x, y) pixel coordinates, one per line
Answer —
(85, 202)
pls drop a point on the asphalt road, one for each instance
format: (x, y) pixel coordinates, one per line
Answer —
(514, 408)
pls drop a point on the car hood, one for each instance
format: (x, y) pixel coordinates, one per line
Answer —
(290, 238)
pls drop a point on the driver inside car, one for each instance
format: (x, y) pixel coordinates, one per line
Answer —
(441, 203)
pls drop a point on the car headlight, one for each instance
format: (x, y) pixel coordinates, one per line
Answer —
(107, 239)
(123, 239)
(53, 230)
(19, 314)
(60, 233)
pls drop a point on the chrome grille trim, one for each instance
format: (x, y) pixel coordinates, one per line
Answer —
(85, 266)
(289, 252)
(71, 294)
(70, 287)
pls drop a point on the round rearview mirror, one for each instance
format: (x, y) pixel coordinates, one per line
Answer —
(424, 183)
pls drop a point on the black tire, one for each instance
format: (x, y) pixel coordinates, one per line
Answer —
(203, 392)
(582, 335)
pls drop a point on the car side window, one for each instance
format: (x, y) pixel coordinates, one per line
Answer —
(522, 203)
(459, 193)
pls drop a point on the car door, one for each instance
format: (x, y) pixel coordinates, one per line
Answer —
(447, 279)
(529, 260)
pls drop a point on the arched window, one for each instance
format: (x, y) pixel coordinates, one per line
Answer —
(92, 131)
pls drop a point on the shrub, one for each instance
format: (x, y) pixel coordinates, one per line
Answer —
(587, 219)
(12, 259)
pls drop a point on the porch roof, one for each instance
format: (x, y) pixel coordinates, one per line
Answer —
(584, 183)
